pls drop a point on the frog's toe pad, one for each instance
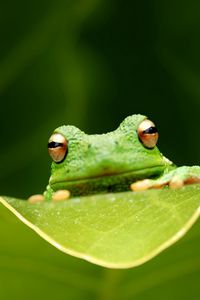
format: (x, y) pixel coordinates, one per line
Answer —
(192, 180)
(141, 185)
(146, 184)
(35, 198)
(176, 182)
(61, 195)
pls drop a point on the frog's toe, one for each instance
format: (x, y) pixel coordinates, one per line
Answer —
(35, 198)
(192, 180)
(146, 184)
(61, 195)
(176, 182)
(141, 185)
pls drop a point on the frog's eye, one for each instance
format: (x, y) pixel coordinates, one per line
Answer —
(57, 147)
(148, 133)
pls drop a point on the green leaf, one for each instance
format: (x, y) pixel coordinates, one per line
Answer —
(118, 230)
(36, 270)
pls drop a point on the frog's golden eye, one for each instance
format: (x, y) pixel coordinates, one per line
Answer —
(57, 147)
(148, 134)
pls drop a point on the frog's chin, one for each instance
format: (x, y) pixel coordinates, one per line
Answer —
(106, 183)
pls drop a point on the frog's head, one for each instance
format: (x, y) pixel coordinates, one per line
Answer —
(105, 162)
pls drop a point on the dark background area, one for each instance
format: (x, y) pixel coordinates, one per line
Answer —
(91, 64)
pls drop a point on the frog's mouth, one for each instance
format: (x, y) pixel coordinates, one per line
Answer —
(107, 182)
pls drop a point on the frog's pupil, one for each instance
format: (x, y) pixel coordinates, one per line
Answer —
(150, 130)
(54, 145)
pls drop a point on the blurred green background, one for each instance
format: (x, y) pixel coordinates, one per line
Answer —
(92, 63)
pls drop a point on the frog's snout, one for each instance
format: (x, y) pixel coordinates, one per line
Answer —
(106, 167)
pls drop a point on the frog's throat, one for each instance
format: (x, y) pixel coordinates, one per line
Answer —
(107, 182)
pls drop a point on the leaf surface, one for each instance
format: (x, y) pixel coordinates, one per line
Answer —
(118, 230)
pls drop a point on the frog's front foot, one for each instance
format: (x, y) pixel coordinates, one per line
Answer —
(174, 179)
(57, 196)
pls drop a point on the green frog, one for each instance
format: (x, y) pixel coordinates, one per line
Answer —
(124, 159)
